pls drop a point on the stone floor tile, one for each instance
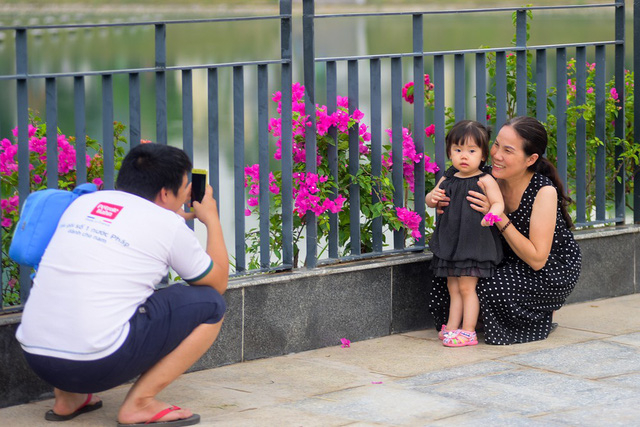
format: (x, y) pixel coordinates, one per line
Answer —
(492, 418)
(629, 339)
(456, 373)
(595, 359)
(386, 404)
(526, 392)
(623, 412)
(609, 316)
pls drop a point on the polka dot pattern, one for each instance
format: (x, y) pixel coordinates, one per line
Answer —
(517, 302)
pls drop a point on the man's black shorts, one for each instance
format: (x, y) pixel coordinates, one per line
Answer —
(157, 328)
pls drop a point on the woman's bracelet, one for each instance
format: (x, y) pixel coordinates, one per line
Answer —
(505, 227)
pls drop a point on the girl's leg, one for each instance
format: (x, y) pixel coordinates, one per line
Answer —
(470, 302)
(456, 305)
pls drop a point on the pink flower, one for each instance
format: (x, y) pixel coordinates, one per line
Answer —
(98, 182)
(411, 220)
(614, 93)
(345, 343)
(358, 115)
(37, 179)
(247, 212)
(252, 201)
(6, 222)
(430, 130)
(491, 218)
(407, 92)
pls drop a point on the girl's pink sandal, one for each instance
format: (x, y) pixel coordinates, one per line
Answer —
(460, 338)
(443, 332)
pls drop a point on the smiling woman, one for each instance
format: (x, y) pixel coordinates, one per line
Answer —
(542, 261)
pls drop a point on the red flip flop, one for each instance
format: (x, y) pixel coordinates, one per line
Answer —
(192, 420)
(83, 409)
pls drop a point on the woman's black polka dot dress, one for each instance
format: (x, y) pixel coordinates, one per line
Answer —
(517, 302)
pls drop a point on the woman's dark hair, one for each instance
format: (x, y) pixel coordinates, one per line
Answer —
(148, 168)
(465, 129)
(535, 140)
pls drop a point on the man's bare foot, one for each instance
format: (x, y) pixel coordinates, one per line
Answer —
(143, 411)
(67, 403)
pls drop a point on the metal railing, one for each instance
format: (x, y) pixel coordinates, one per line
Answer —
(420, 60)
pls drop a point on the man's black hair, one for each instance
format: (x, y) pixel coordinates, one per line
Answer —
(148, 168)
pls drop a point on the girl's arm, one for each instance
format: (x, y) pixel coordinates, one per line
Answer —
(496, 201)
(434, 196)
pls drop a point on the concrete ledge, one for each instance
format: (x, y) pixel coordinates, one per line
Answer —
(275, 314)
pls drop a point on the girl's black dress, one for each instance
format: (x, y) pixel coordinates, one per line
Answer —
(517, 302)
(460, 245)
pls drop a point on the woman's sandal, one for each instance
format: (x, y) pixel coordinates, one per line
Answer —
(460, 338)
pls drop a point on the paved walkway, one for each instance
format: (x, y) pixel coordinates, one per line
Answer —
(586, 374)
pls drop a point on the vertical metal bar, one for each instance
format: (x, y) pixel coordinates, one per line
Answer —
(561, 113)
(187, 120)
(23, 141)
(439, 114)
(81, 131)
(332, 154)
(263, 161)
(501, 89)
(600, 129)
(238, 166)
(541, 85)
(52, 132)
(286, 49)
(187, 113)
(107, 132)
(376, 145)
(636, 106)
(481, 88)
(213, 131)
(354, 159)
(135, 132)
(620, 127)
(418, 122)
(396, 143)
(308, 15)
(461, 90)
(581, 137)
(521, 63)
(161, 83)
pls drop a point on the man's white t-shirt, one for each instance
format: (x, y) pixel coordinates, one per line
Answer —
(109, 252)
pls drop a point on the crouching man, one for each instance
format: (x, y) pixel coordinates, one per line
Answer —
(94, 319)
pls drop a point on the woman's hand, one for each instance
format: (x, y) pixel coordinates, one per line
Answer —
(479, 201)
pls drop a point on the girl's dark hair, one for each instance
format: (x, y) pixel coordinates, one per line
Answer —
(535, 140)
(466, 129)
(148, 168)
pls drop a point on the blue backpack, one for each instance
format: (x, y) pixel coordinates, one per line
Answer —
(38, 221)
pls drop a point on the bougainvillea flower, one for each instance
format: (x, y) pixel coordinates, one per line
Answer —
(345, 343)
(491, 218)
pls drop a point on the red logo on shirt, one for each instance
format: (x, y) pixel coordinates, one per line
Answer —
(106, 210)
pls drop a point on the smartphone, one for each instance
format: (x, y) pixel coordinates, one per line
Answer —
(198, 184)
